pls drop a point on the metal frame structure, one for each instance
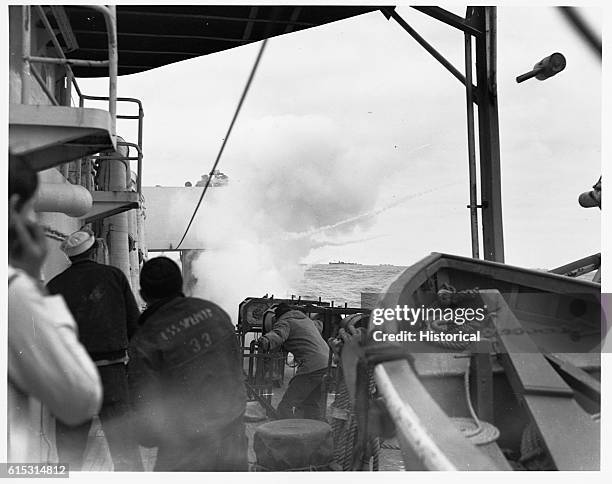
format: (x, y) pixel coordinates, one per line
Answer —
(109, 14)
(112, 63)
(137, 146)
(479, 23)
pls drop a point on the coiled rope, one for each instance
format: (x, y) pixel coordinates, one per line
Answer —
(478, 431)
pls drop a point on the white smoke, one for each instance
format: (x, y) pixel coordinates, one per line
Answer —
(294, 186)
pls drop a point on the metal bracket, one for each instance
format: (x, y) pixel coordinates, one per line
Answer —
(479, 205)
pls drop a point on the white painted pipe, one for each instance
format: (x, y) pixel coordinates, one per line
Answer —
(73, 200)
(133, 255)
(118, 243)
(115, 172)
(141, 233)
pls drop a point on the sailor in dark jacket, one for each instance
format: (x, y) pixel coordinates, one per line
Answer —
(186, 377)
(103, 305)
(301, 336)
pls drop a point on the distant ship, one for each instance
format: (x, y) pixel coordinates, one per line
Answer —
(344, 263)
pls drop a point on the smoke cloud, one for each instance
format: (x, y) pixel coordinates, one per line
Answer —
(294, 186)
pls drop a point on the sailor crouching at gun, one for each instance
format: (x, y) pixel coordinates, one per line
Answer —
(301, 336)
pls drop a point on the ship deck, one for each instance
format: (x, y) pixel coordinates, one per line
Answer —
(98, 459)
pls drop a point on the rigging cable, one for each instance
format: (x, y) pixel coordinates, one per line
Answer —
(583, 28)
(229, 130)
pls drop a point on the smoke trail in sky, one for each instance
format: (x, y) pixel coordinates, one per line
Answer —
(291, 178)
(315, 244)
(364, 216)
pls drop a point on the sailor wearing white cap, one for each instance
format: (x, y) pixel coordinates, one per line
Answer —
(78, 242)
(101, 300)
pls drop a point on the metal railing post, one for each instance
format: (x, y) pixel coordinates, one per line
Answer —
(43, 85)
(110, 18)
(488, 136)
(78, 167)
(113, 57)
(68, 88)
(26, 39)
(138, 145)
(471, 148)
(140, 128)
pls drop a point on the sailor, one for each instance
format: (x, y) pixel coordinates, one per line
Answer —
(50, 373)
(202, 181)
(186, 377)
(301, 336)
(104, 307)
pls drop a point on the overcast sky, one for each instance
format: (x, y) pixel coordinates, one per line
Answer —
(355, 122)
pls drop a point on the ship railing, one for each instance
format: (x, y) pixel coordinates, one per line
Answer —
(27, 67)
(137, 146)
(110, 19)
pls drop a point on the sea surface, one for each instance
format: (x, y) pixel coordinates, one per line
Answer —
(344, 283)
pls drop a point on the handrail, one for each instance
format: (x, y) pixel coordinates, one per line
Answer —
(43, 85)
(137, 145)
(58, 48)
(109, 13)
(74, 62)
(26, 47)
(110, 18)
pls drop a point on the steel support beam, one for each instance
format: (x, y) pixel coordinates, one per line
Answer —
(415, 35)
(449, 18)
(469, 96)
(294, 16)
(192, 16)
(488, 130)
(156, 35)
(249, 26)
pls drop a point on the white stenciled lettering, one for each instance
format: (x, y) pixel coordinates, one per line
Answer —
(200, 342)
(185, 323)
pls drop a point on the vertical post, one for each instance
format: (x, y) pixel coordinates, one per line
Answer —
(110, 18)
(78, 165)
(140, 127)
(481, 372)
(488, 130)
(471, 147)
(113, 58)
(68, 89)
(26, 45)
(113, 176)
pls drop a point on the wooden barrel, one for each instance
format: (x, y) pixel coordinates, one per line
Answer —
(293, 444)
